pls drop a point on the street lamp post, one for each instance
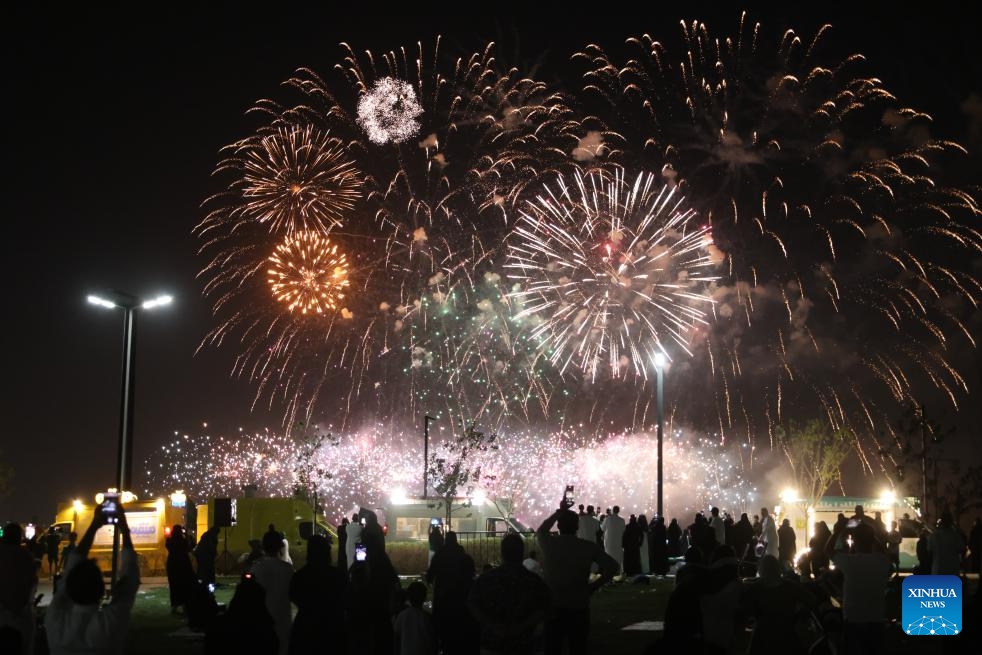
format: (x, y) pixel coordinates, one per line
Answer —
(426, 452)
(660, 368)
(124, 455)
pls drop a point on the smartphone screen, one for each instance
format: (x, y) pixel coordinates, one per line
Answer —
(361, 553)
(110, 507)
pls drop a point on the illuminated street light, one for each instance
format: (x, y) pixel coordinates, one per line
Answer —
(124, 457)
(660, 361)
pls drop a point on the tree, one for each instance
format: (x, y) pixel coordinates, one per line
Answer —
(962, 495)
(310, 474)
(909, 447)
(815, 451)
(454, 470)
(6, 478)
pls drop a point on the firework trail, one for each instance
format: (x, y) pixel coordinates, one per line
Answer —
(844, 290)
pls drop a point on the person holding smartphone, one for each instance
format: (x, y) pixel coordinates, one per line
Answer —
(567, 563)
(77, 621)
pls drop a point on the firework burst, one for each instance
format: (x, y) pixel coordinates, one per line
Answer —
(388, 111)
(291, 178)
(838, 234)
(308, 274)
(614, 268)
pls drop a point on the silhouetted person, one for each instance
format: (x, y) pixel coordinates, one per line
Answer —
(509, 602)
(246, 628)
(274, 576)
(18, 581)
(947, 546)
(975, 544)
(683, 616)
(758, 526)
(742, 535)
(768, 534)
(632, 547)
(613, 529)
(589, 525)
(658, 546)
(674, 535)
(435, 542)
(865, 574)
(205, 554)
(566, 564)
(786, 540)
(718, 526)
(75, 623)
(343, 544)
(317, 590)
(371, 586)
(692, 566)
(68, 549)
(775, 605)
(451, 573)
(353, 538)
(720, 600)
(701, 535)
(818, 558)
(924, 562)
(180, 575)
(52, 543)
(414, 633)
(893, 541)
(645, 550)
(373, 529)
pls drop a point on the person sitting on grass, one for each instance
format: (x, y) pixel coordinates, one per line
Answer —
(76, 622)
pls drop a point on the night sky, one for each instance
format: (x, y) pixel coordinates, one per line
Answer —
(115, 121)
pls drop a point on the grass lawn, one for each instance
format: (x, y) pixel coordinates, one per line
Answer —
(154, 630)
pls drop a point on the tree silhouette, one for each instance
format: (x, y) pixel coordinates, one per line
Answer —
(454, 472)
(815, 451)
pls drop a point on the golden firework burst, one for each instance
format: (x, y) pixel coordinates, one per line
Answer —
(308, 273)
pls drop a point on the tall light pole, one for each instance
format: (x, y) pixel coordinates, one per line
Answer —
(660, 368)
(426, 451)
(124, 455)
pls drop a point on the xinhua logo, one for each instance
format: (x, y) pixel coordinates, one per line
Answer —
(932, 605)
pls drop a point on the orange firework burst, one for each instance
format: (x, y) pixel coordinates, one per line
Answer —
(308, 273)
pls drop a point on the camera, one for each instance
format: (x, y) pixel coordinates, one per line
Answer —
(110, 507)
(361, 553)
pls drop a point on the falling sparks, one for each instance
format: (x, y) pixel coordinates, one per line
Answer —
(363, 467)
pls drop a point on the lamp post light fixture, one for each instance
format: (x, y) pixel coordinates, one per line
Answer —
(124, 456)
(660, 361)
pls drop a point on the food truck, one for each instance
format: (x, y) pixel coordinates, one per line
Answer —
(148, 519)
(804, 517)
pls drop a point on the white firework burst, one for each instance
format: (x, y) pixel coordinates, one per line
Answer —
(388, 112)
